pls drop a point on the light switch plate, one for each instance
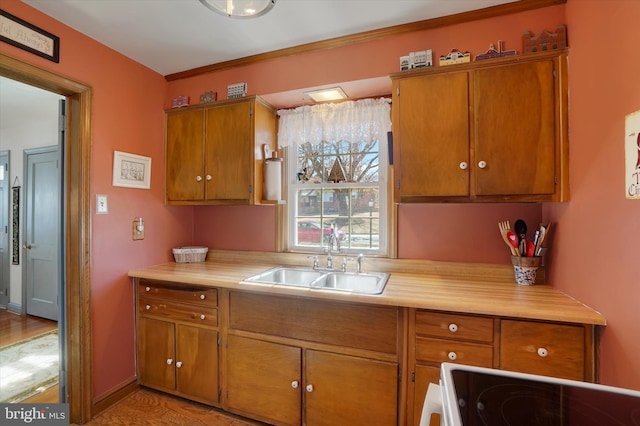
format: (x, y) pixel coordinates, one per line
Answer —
(102, 206)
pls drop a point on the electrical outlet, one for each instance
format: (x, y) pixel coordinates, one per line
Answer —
(137, 229)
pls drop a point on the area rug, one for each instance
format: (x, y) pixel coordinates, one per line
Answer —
(28, 367)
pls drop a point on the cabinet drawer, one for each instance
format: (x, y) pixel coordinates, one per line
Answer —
(195, 295)
(451, 326)
(440, 350)
(178, 311)
(539, 348)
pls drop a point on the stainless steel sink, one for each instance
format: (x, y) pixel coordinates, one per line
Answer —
(285, 275)
(369, 283)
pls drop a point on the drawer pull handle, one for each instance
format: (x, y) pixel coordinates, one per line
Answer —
(202, 297)
(179, 364)
(147, 289)
(309, 388)
(543, 352)
(198, 178)
(169, 361)
(202, 317)
(452, 356)
(453, 327)
(295, 384)
(147, 307)
(463, 165)
(209, 177)
(482, 164)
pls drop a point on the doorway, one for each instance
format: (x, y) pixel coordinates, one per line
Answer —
(76, 155)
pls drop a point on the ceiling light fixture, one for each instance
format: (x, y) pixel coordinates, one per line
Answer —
(241, 9)
(327, 95)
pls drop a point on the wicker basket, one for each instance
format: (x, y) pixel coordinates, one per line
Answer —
(190, 254)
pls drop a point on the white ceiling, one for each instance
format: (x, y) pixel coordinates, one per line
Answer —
(170, 36)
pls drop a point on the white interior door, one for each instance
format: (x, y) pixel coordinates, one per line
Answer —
(42, 232)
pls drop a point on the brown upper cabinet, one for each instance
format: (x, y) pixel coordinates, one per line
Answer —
(492, 131)
(214, 152)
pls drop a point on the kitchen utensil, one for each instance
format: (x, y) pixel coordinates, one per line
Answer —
(504, 227)
(520, 226)
(544, 231)
(531, 249)
(513, 239)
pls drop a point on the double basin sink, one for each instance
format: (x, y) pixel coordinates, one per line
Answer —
(362, 282)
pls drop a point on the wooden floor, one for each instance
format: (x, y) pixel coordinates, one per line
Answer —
(15, 328)
(150, 408)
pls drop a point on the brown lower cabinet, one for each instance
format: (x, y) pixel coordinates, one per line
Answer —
(293, 361)
(535, 347)
(284, 384)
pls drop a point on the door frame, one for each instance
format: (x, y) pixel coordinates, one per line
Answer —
(76, 156)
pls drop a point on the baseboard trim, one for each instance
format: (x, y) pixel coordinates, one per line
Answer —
(15, 308)
(114, 396)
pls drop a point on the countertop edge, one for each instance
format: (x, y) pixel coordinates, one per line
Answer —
(468, 294)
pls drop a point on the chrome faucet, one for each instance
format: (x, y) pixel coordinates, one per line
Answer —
(359, 260)
(333, 240)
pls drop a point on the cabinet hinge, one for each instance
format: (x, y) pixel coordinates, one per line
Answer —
(553, 73)
(397, 91)
(555, 180)
(250, 111)
(219, 341)
(250, 189)
(398, 184)
(219, 393)
(413, 376)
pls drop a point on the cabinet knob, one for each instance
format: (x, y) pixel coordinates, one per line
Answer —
(209, 177)
(543, 352)
(295, 384)
(198, 178)
(202, 297)
(453, 327)
(452, 356)
(147, 289)
(169, 361)
(202, 316)
(309, 388)
(464, 165)
(147, 307)
(179, 364)
(482, 164)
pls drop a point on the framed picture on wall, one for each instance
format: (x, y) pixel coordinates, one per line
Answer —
(131, 170)
(28, 37)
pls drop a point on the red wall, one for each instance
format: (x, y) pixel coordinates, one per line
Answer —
(127, 116)
(596, 255)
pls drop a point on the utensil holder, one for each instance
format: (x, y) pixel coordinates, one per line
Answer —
(526, 269)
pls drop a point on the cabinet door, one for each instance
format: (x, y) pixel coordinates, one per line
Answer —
(185, 156)
(423, 376)
(433, 132)
(197, 362)
(515, 129)
(229, 152)
(156, 353)
(263, 380)
(346, 390)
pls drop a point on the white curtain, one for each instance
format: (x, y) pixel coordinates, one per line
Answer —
(353, 121)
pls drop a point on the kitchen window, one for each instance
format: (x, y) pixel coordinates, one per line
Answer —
(337, 168)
